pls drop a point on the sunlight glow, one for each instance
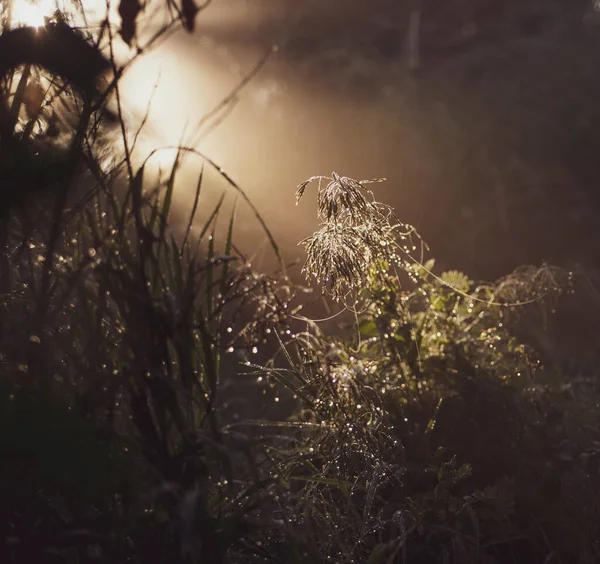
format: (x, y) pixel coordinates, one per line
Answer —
(31, 12)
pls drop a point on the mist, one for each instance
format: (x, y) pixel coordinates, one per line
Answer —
(484, 150)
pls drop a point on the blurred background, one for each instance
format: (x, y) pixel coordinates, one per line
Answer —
(486, 127)
(482, 116)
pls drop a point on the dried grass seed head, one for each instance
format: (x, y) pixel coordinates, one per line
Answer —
(357, 236)
(342, 199)
(337, 257)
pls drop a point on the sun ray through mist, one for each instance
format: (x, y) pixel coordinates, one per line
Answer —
(30, 12)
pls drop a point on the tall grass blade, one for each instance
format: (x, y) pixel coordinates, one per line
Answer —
(194, 209)
(168, 197)
(209, 222)
(228, 246)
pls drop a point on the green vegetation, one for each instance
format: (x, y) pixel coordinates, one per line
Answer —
(423, 432)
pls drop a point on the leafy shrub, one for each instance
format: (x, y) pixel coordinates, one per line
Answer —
(435, 435)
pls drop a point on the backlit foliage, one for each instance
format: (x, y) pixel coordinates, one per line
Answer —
(130, 432)
(359, 236)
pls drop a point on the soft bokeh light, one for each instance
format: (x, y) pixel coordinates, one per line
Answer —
(334, 99)
(276, 132)
(32, 13)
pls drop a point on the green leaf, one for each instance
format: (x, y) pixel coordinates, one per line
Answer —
(456, 280)
(369, 329)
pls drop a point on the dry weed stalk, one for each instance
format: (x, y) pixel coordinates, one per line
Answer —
(359, 236)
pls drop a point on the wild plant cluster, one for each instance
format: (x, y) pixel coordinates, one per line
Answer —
(134, 427)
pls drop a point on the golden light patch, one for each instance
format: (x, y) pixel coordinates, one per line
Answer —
(31, 13)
